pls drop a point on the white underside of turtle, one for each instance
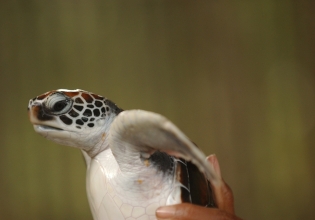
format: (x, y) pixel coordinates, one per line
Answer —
(114, 195)
(136, 160)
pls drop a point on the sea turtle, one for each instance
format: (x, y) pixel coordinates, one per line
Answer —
(136, 160)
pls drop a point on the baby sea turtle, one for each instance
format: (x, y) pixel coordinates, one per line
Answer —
(136, 160)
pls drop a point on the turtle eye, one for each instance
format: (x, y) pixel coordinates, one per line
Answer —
(57, 104)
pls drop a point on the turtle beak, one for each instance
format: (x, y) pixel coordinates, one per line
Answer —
(36, 113)
(41, 121)
(31, 109)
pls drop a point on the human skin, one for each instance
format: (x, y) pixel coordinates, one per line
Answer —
(223, 197)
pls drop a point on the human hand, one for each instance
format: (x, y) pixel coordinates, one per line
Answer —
(185, 211)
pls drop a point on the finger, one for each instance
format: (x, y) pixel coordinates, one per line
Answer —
(186, 211)
(222, 192)
(212, 159)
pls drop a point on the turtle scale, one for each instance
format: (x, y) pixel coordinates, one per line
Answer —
(124, 180)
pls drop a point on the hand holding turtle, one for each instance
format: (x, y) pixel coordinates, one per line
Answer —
(185, 211)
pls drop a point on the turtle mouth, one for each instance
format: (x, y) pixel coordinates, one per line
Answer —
(47, 128)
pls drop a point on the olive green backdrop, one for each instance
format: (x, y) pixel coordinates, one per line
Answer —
(238, 77)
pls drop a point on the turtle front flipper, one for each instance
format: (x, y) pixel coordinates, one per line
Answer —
(138, 133)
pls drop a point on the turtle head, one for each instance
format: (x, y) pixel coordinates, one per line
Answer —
(74, 118)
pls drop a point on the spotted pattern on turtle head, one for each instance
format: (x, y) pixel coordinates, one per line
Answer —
(77, 108)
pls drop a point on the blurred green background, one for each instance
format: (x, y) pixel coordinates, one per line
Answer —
(238, 77)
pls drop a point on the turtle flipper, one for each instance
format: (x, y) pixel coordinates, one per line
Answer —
(139, 131)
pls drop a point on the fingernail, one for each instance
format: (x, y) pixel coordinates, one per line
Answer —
(165, 212)
(215, 163)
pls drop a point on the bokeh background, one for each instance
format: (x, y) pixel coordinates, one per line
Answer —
(238, 77)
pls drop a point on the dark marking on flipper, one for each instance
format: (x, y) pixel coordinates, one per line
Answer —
(162, 161)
